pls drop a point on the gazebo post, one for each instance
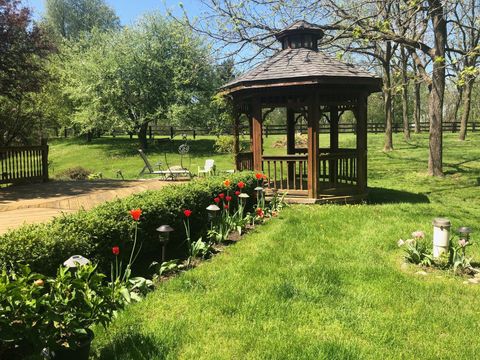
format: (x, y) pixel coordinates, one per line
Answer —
(257, 134)
(313, 118)
(291, 141)
(334, 119)
(361, 116)
(236, 141)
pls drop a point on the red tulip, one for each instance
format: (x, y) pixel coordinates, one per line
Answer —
(187, 213)
(259, 212)
(241, 184)
(221, 196)
(226, 206)
(237, 192)
(259, 176)
(217, 200)
(115, 250)
(136, 214)
(228, 198)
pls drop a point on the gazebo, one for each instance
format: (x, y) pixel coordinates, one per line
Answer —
(312, 85)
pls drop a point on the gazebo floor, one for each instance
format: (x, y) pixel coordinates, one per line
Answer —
(339, 194)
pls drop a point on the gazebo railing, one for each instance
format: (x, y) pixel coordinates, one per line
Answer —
(287, 172)
(244, 161)
(338, 168)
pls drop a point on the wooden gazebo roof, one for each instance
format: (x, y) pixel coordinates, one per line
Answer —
(301, 66)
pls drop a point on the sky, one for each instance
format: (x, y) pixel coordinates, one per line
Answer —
(129, 10)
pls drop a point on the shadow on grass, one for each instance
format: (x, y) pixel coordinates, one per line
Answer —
(391, 196)
(134, 346)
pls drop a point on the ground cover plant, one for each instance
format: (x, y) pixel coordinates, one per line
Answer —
(325, 282)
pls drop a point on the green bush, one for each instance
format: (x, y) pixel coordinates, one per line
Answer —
(93, 233)
(75, 173)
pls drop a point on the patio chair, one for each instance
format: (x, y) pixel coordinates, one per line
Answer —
(208, 168)
(171, 173)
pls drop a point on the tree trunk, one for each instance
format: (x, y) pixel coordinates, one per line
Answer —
(387, 96)
(417, 107)
(406, 125)
(437, 89)
(467, 103)
(142, 136)
(458, 101)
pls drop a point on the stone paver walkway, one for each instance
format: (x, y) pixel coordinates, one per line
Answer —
(36, 203)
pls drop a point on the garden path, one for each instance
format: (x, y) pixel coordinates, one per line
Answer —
(36, 203)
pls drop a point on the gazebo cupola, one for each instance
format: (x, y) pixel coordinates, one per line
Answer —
(300, 35)
(312, 86)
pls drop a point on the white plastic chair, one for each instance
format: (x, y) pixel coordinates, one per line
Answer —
(208, 168)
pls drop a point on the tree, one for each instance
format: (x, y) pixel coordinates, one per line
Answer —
(132, 77)
(239, 24)
(70, 18)
(23, 49)
(465, 35)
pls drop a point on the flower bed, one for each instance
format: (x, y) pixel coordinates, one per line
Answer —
(53, 315)
(93, 233)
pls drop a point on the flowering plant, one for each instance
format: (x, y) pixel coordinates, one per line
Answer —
(416, 249)
(457, 255)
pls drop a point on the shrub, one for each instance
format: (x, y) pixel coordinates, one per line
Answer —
(93, 233)
(224, 144)
(75, 173)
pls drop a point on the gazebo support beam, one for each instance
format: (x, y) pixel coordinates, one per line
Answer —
(291, 141)
(361, 116)
(313, 118)
(236, 140)
(334, 119)
(257, 134)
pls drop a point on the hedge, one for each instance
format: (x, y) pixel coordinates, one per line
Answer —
(93, 233)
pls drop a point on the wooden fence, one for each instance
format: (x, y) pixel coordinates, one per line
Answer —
(373, 128)
(19, 164)
(172, 132)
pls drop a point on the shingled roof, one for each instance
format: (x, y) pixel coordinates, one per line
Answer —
(302, 65)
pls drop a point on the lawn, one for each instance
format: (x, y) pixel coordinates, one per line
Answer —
(325, 281)
(108, 155)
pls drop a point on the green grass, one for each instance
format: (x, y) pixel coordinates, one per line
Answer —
(108, 155)
(324, 281)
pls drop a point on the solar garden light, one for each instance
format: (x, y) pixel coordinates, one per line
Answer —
(164, 237)
(75, 261)
(441, 236)
(212, 211)
(464, 233)
(243, 200)
(259, 191)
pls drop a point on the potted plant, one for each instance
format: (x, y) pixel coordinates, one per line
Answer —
(76, 300)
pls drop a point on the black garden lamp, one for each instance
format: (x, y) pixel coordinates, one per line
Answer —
(212, 211)
(464, 233)
(259, 191)
(75, 261)
(164, 237)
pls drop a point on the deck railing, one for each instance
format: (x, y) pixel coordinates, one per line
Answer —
(23, 164)
(288, 172)
(338, 168)
(244, 161)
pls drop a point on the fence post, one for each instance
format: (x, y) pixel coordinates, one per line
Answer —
(171, 132)
(150, 133)
(194, 134)
(44, 160)
(266, 131)
(454, 127)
